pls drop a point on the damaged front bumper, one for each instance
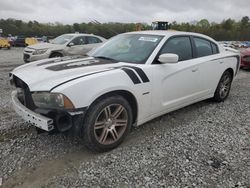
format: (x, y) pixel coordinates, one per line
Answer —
(49, 119)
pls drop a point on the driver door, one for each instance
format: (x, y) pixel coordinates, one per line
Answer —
(77, 46)
(176, 84)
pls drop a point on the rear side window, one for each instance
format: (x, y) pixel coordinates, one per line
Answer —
(180, 46)
(203, 47)
(93, 40)
(214, 48)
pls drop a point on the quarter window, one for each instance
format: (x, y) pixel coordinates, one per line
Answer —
(180, 46)
(203, 47)
(214, 48)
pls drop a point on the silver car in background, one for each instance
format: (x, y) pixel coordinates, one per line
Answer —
(64, 45)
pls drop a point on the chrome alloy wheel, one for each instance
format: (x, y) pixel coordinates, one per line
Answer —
(110, 124)
(225, 86)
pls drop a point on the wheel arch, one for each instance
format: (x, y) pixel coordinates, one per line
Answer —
(131, 99)
(230, 70)
(55, 52)
(217, 97)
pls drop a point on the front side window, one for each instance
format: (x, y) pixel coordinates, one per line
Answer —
(203, 47)
(62, 39)
(131, 48)
(79, 41)
(180, 46)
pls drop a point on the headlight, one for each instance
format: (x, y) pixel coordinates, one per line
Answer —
(51, 100)
(38, 52)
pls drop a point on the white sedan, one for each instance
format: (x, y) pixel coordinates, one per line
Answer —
(129, 80)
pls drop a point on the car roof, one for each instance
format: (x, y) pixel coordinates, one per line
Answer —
(79, 34)
(170, 33)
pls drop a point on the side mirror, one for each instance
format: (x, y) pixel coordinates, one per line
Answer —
(71, 44)
(168, 58)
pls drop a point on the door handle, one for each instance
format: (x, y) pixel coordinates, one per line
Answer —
(195, 69)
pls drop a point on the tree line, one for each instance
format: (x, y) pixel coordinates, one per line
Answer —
(227, 30)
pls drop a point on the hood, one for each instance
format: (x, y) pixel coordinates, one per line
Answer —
(44, 45)
(46, 74)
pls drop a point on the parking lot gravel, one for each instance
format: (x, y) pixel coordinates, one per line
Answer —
(203, 145)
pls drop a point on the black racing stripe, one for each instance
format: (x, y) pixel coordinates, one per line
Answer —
(129, 72)
(238, 61)
(225, 57)
(48, 62)
(82, 63)
(132, 75)
(238, 64)
(66, 58)
(141, 73)
(78, 78)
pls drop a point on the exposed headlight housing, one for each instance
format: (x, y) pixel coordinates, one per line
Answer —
(39, 52)
(51, 100)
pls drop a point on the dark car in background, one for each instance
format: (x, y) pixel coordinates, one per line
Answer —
(246, 44)
(245, 58)
(19, 42)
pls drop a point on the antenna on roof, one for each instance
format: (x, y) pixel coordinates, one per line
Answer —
(112, 31)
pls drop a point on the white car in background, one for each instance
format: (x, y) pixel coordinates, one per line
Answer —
(131, 79)
(64, 45)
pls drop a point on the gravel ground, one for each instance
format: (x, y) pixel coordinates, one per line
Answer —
(204, 145)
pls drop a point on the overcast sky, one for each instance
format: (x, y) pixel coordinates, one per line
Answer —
(71, 11)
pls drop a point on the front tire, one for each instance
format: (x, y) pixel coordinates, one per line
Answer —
(107, 123)
(55, 54)
(224, 86)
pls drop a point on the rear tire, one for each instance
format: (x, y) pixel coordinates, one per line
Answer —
(223, 89)
(107, 123)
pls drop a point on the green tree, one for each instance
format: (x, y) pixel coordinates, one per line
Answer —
(228, 29)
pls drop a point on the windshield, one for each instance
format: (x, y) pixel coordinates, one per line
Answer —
(62, 39)
(131, 48)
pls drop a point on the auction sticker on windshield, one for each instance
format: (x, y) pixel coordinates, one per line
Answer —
(148, 39)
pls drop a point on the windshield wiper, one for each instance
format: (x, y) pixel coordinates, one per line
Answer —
(104, 57)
